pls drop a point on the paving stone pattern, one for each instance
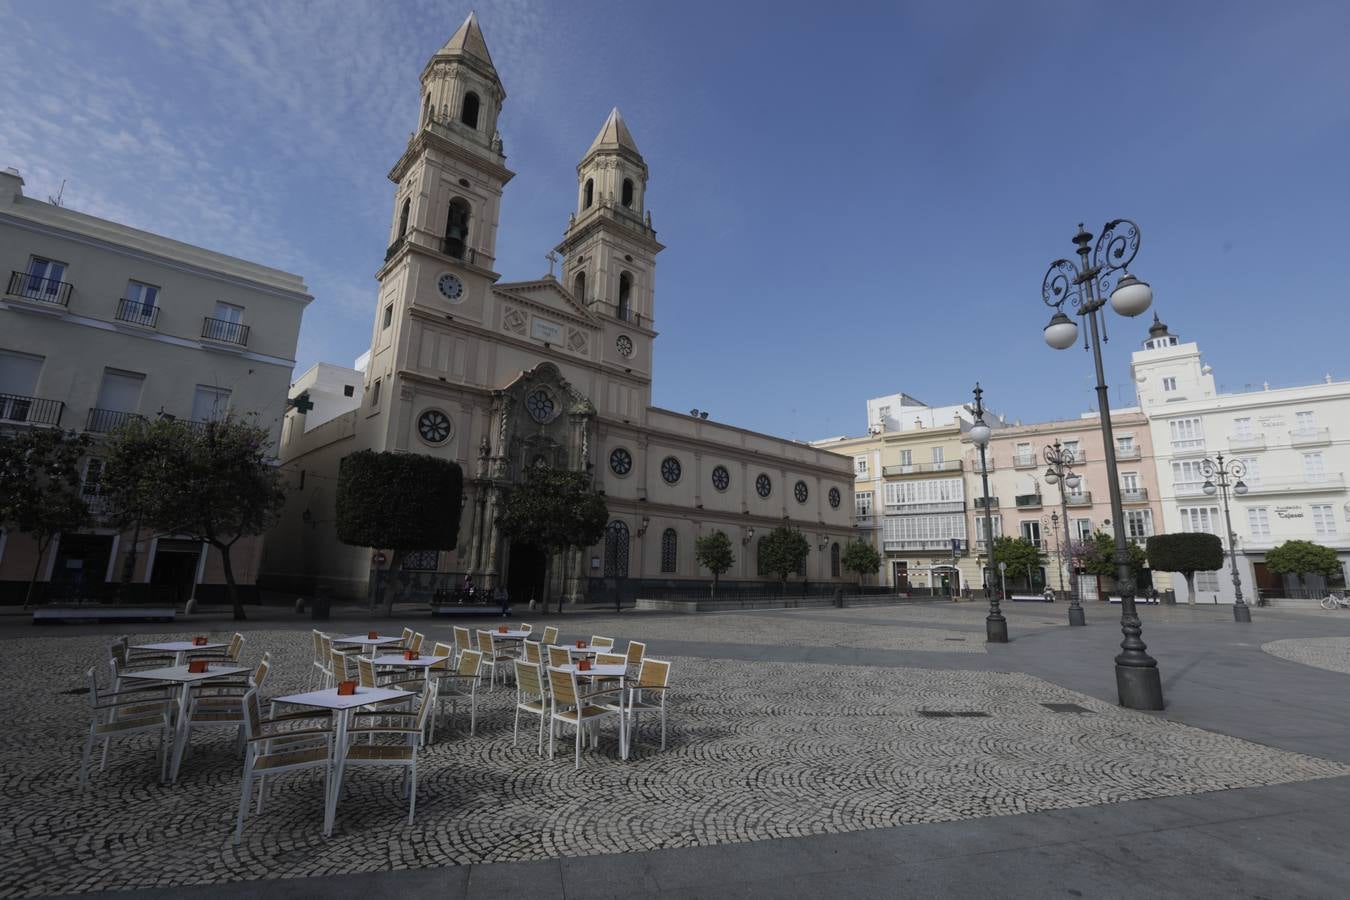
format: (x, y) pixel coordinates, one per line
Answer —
(1325, 652)
(756, 751)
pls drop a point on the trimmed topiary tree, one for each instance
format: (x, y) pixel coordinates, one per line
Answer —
(1187, 553)
(400, 501)
(40, 490)
(713, 552)
(782, 552)
(861, 557)
(555, 510)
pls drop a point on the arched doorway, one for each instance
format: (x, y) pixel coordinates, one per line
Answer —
(525, 573)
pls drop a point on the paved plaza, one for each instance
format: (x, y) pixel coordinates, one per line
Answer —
(852, 729)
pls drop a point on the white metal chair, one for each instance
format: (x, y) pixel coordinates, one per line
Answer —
(600, 642)
(463, 641)
(401, 751)
(649, 695)
(550, 635)
(492, 656)
(270, 750)
(230, 653)
(461, 684)
(531, 697)
(126, 714)
(570, 707)
(219, 703)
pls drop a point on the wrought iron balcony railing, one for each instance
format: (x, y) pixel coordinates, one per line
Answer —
(30, 410)
(137, 313)
(1028, 501)
(1082, 498)
(225, 332)
(102, 421)
(1309, 437)
(1123, 453)
(42, 290)
(979, 502)
(1134, 495)
(1025, 461)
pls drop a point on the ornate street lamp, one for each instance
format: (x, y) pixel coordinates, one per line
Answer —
(1087, 284)
(1221, 474)
(1059, 462)
(995, 626)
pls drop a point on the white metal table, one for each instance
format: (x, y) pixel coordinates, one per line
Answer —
(179, 649)
(609, 670)
(397, 660)
(180, 676)
(368, 643)
(342, 706)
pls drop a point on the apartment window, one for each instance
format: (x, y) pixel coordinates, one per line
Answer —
(906, 457)
(1125, 444)
(862, 503)
(983, 532)
(1304, 422)
(1138, 524)
(1242, 428)
(142, 299)
(375, 393)
(1082, 529)
(1324, 522)
(1200, 519)
(1187, 475)
(1072, 447)
(1258, 521)
(1207, 582)
(860, 465)
(1314, 467)
(937, 455)
(388, 315)
(1031, 530)
(118, 397)
(228, 312)
(1253, 467)
(1186, 433)
(44, 278)
(1169, 384)
(1024, 453)
(1129, 482)
(210, 404)
(348, 390)
(883, 413)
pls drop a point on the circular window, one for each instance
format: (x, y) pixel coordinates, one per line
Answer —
(670, 469)
(763, 486)
(834, 498)
(721, 478)
(625, 344)
(539, 405)
(799, 491)
(620, 461)
(433, 426)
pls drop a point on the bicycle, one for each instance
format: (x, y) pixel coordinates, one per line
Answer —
(1335, 601)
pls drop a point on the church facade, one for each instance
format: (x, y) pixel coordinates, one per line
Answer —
(499, 376)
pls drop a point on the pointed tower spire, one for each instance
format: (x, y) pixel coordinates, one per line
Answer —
(614, 135)
(468, 41)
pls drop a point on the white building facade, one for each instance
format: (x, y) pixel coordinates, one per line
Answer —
(1293, 442)
(100, 322)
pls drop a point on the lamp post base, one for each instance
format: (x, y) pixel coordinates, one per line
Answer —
(1139, 687)
(996, 630)
(1242, 612)
(1077, 616)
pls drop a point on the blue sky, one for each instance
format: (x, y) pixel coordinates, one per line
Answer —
(857, 199)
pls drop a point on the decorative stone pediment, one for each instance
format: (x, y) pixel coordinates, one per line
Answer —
(547, 295)
(541, 420)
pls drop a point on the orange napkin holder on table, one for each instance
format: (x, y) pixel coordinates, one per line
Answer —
(502, 629)
(410, 654)
(197, 666)
(581, 645)
(346, 688)
(584, 665)
(373, 635)
(199, 642)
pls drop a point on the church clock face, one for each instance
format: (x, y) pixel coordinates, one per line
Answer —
(624, 344)
(433, 426)
(450, 286)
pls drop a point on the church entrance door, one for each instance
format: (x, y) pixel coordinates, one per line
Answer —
(525, 573)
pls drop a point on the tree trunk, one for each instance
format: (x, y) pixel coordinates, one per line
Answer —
(1190, 587)
(37, 569)
(548, 581)
(228, 567)
(395, 570)
(714, 586)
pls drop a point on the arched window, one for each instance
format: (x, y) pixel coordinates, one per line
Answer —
(669, 550)
(616, 550)
(759, 558)
(403, 217)
(579, 287)
(625, 293)
(468, 114)
(457, 228)
(589, 196)
(628, 192)
(426, 111)
(834, 560)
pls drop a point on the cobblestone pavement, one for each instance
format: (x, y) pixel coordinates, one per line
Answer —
(1324, 652)
(756, 751)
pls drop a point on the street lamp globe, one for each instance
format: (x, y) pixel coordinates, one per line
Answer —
(980, 433)
(1240, 488)
(1062, 331)
(1073, 481)
(1131, 296)
(1210, 489)
(1051, 476)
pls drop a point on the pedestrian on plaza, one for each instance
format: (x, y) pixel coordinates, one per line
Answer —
(503, 599)
(466, 588)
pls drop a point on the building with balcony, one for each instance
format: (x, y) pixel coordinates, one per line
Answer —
(1294, 443)
(100, 323)
(1022, 502)
(911, 491)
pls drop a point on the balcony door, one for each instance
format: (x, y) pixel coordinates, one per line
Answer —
(18, 384)
(118, 398)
